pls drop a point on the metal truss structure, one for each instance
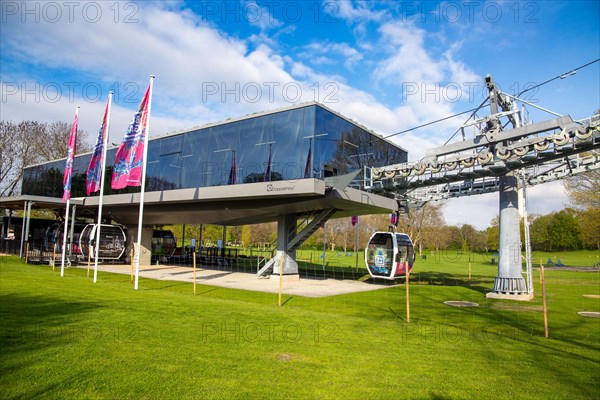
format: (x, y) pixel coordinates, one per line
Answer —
(499, 160)
(540, 152)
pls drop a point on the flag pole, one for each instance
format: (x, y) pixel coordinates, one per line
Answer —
(104, 146)
(64, 246)
(143, 188)
(64, 243)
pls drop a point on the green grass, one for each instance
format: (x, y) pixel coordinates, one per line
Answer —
(69, 338)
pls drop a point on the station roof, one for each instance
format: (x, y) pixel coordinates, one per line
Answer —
(231, 205)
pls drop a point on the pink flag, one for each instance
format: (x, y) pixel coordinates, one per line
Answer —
(94, 171)
(128, 167)
(70, 156)
(394, 219)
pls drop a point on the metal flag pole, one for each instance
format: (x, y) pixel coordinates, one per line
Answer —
(143, 189)
(64, 246)
(104, 145)
(64, 243)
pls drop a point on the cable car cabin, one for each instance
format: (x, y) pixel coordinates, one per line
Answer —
(54, 235)
(389, 254)
(112, 241)
(163, 244)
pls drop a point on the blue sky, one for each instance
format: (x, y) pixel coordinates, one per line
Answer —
(388, 65)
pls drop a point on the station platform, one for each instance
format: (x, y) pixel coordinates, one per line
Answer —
(305, 286)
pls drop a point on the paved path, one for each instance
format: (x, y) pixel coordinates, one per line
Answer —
(307, 287)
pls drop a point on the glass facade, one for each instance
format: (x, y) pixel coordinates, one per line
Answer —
(308, 141)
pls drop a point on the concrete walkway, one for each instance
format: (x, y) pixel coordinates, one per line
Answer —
(305, 286)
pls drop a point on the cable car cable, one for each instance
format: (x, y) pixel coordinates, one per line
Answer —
(561, 76)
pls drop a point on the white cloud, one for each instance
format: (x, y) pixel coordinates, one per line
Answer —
(458, 71)
(190, 56)
(474, 210)
(259, 16)
(331, 53)
(479, 210)
(408, 60)
(202, 74)
(90, 113)
(353, 11)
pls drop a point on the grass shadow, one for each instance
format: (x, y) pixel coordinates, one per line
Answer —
(286, 301)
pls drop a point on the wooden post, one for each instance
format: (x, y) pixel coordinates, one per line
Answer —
(544, 300)
(281, 276)
(469, 271)
(407, 294)
(89, 260)
(194, 261)
(26, 253)
(53, 256)
(541, 266)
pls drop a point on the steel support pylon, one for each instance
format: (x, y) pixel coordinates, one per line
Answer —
(509, 283)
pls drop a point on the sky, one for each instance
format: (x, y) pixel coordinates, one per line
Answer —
(389, 65)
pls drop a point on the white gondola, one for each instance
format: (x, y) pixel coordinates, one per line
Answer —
(112, 241)
(389, 255)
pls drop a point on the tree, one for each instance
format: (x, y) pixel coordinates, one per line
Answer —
(556, 231)
(584, 190)
(212, 234)
(341, 232)
(540, 226)
(471, 239)
(30, 142)
(493, 234)
(584, 193)
(589, 225)
(234, 234)
(422, 224)
(246, 235)
(442, 238)
(563, 231)
(259, 234)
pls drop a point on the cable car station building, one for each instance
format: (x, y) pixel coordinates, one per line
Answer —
(301, 162)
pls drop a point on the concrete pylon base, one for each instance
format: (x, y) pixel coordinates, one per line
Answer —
(290, 266)
(513, 285)
(508, 296)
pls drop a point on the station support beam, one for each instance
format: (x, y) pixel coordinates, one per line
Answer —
(286, 230)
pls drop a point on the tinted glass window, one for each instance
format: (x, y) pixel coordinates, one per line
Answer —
(206, 156)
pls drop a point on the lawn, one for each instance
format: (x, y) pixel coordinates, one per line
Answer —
(69, 338)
